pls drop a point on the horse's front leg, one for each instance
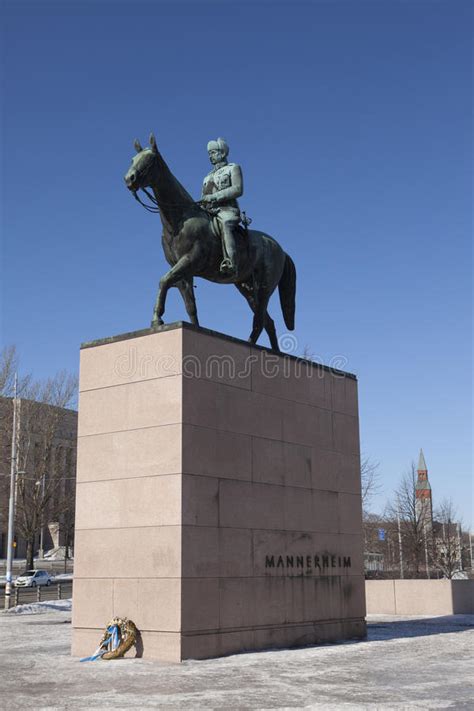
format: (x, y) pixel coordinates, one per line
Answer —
(186, 288)
(180, 270)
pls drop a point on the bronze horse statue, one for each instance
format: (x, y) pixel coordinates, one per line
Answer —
(193, 248)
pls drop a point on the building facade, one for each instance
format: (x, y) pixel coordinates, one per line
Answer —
(46, 472)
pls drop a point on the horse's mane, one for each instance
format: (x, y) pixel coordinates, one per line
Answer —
(179, 191)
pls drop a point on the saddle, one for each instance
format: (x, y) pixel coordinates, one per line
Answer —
(241, 230)
(241, 235)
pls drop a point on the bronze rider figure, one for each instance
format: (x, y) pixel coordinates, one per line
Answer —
(220, 190)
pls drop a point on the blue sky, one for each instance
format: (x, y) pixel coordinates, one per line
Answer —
(352, 124)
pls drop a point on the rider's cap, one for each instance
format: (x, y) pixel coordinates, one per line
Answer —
(220, 144)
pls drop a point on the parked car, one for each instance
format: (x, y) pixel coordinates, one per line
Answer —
(33, 578)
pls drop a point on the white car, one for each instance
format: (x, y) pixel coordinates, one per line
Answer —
(33, 578)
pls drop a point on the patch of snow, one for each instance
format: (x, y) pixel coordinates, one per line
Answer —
(35, 608)
(38, 672)
(58, 553)
(62, 576)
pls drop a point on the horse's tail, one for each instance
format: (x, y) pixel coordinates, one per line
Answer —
(287, 290)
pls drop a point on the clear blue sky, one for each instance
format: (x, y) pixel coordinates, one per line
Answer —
(352, 123)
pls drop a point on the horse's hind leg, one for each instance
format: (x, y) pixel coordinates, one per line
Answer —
(186, 289)
(268, 324)
(271, 330)
(258, 317)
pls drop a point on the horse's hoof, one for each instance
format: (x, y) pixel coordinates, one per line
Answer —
(157, 322)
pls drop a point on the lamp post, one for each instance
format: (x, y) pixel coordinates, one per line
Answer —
(41, 483)
(400, 547)
(426, 556)
(459, 546)
(11, 504)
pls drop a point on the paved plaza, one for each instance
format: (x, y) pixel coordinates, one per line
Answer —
(406, 663)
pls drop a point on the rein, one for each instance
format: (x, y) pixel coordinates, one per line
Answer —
(246, 221)
(151, 208)
(155, 207)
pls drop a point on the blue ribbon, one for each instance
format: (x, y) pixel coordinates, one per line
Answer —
(110, 643)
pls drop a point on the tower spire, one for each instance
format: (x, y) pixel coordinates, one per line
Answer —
(421, 462)
(423, 491)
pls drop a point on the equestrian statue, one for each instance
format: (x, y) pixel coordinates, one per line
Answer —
(206, 238)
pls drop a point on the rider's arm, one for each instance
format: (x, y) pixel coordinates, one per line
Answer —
(235, 189)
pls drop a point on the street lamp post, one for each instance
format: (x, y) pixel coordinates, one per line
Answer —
(470, 550)
(11, 505)
(400, 547)
(41, 483)
(426, 556)
(459, 546)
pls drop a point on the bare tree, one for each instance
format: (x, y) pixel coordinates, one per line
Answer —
(308, 353)
(370, 481)
(415, 522)
(447, 549)
(9, 367)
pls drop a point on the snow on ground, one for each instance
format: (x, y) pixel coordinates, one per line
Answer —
(406, 663)
(35, 608)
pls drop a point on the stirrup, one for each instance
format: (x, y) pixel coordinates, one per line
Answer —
(227, 266)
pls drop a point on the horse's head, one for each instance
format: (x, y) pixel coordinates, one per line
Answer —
(144, 164)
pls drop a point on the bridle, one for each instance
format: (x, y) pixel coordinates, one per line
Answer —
(154, 207)
(151, 208)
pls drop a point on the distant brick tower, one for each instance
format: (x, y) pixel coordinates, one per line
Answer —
(423, 492)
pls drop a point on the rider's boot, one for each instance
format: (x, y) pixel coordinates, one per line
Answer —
(228, 264)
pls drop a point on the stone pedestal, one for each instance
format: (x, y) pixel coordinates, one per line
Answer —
(218, 496)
